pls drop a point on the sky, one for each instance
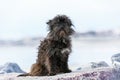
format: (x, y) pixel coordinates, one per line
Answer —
(27, 18)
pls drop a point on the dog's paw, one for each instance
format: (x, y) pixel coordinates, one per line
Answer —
(67, 71)
(51, 74)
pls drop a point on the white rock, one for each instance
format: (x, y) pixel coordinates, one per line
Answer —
(116, 61)
(10, 68)
(93, 65)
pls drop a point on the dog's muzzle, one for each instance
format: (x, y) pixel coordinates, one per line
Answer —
(62, 33)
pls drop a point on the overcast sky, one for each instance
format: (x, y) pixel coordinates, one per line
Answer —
(24, 18)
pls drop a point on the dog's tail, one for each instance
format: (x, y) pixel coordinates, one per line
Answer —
(26, 74)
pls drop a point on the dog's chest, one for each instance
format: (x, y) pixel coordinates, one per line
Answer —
(65, 50)
(61, 47)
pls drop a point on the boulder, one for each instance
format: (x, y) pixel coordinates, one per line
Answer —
(93, 65)
(10, 68)
(116, 61)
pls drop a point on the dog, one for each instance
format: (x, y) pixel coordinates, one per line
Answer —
(54, 50)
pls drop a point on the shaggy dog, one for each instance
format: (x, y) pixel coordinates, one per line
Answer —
(54, 50)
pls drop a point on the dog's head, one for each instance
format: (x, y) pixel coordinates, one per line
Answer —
(60, 26)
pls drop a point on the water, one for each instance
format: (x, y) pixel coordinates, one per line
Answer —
(84, 51)
(93, 50)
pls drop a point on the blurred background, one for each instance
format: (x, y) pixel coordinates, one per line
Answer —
(23, 25)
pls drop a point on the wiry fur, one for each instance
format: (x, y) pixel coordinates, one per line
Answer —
(54, 50)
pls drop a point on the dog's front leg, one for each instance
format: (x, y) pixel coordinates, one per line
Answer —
(51, 66)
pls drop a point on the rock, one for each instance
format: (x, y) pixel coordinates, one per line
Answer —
(10, 68)
(96, 74)
(79, 68)
(100, 64)
(116, 61)
(93, 65)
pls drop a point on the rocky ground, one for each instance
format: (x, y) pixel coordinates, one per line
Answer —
(93, 71)
(104, 73)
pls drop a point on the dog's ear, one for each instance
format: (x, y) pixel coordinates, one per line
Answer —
(49, 22)
(71, 31)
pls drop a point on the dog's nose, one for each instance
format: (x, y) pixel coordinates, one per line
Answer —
(62, 26)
